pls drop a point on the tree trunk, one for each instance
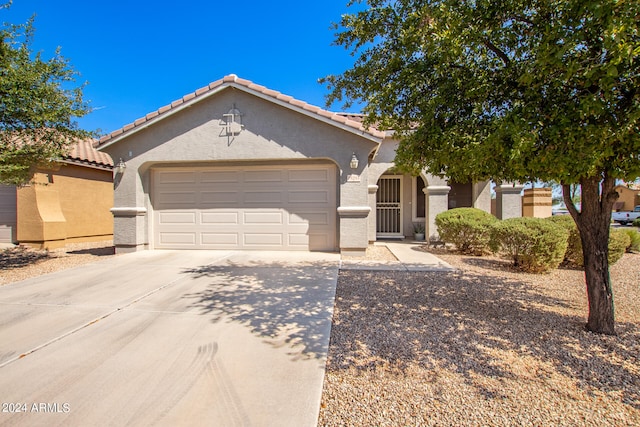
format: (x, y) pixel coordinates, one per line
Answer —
(593, 221)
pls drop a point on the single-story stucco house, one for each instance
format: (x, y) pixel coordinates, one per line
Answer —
(67, 204)
(235, 165)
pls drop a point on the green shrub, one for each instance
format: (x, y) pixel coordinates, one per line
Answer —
(618, 243)
(636, 222)
(534, 244)
(574, 244)
(466, 228)
(573, 253)
(634, 240)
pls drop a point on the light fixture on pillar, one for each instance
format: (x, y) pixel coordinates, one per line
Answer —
(354, 161)
(121, 166)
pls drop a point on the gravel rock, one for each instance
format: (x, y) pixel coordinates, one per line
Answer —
(483, 346)
(21, 263)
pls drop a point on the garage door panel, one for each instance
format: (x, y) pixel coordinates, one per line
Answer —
(169, 199)
(176, 177)
(289, 207)
(310, 218)
(219, 218)
(262, 239)
(180, 218)
(220, 177)
(273, 198)
(310, 196)
(262, 175)
(311, 175)
(262, 218)
(220, 239)
(298, 240)
(318, 241)
(186, 239)
(219, 198)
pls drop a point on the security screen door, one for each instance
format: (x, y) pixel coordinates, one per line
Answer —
(388, 207)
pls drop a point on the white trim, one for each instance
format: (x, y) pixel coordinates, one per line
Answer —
(354, 211)
(129, 211)
(434, 190)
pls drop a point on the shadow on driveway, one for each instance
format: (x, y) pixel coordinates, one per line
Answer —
(288, 305)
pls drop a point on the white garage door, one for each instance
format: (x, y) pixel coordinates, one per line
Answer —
(291, 207)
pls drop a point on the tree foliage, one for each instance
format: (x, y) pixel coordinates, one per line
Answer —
(509, 90)
(37, 107)
(505, 90)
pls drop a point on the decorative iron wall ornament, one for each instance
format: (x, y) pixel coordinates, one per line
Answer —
(232, 122)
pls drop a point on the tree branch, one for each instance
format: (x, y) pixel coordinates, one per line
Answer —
(493, 48)
(568, 202)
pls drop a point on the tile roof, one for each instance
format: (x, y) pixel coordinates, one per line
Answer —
(347, 120)
(85, 153)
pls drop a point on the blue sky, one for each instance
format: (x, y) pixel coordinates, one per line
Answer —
(138, 56)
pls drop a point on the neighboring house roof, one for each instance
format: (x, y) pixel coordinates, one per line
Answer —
(349, 122)
(84, 153)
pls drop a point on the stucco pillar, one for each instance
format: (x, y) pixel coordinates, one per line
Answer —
(128, 224)
(353, 230)
(437, 200)
(373, 190)
(508, 200)
(481, 192)
(537, 202)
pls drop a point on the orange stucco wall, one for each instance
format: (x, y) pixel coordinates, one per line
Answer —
(68, 205)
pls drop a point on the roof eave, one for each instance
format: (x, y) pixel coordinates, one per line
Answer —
(277, 98)
(134, 128)
(312, 112)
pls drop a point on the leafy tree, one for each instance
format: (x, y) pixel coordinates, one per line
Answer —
(509, 90)
(36, 105)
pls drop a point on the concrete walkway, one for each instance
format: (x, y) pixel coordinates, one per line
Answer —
(409, 258)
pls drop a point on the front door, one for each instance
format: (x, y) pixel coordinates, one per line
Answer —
(389, 207)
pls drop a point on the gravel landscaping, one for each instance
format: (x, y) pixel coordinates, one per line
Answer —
(21, 263)
(482, 346)
(485, 345)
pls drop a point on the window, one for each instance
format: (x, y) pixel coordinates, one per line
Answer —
(420, 202)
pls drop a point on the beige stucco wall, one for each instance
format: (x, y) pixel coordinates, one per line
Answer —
(68, 205)
(271, 133)
(536, 202)
(629, 198)
(437, 192)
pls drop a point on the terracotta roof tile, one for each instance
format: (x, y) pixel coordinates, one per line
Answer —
(84, 152)
(285, 98)
(353, 121)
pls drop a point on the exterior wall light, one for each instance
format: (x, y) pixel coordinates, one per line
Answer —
(121, 166)
(354, 161)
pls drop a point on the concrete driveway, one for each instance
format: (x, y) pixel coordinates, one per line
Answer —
(218, 338)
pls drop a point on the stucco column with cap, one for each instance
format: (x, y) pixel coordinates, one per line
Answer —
(509, 200)
(354, 208)
(130, 213)
(373, 190)
(437, 200)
